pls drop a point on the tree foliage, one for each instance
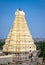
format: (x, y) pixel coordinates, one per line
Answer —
(42, 53)
(41, 46)
(1, 44)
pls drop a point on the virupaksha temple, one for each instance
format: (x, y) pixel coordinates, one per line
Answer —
(19, 42)
(19, 39)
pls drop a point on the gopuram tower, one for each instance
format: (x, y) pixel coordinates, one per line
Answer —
(19, 40)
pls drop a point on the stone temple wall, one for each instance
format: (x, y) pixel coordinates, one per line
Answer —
(11, 60)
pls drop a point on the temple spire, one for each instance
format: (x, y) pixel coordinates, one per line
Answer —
(19, 38)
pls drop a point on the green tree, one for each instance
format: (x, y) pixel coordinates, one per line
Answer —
(38, 45)
(42, 53)
(1, 44)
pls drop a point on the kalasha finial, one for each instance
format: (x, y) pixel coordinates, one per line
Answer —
(19, 9)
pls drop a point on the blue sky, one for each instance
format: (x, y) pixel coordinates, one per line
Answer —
(35, 16)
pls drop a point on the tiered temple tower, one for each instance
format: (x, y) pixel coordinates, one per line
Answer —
(19, 40)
